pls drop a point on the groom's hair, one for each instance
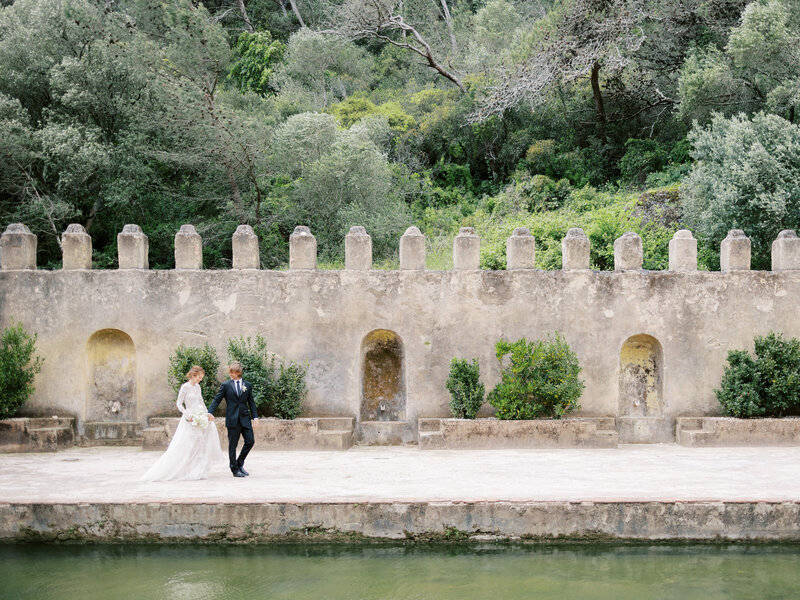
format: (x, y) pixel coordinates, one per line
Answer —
(235, 367)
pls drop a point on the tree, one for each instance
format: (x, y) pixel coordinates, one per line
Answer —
(384, 21)
(746, 176)
(258, 55)
(320, 69)
(585, 37)
(757, 70)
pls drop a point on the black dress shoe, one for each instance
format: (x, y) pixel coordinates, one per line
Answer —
(239, 474)
(241, 470)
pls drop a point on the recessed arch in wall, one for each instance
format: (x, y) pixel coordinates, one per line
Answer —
(111, 359)
(383, 377)
(641, 382)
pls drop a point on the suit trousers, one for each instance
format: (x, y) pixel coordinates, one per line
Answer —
(233, 441)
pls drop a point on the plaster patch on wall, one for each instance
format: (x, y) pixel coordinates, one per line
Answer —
(781, 293)
(226, 305)
(608, 313)
(183, 296)
(765, 306)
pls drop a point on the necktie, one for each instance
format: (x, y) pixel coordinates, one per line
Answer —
(238, 387)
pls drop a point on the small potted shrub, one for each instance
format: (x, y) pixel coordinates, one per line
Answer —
(19, 366)
(539, 380)
(278, 389)
(764, 385)
(187, 356)
(465, 387)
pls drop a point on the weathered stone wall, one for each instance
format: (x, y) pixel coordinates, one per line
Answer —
(423, 521)
(324, 317)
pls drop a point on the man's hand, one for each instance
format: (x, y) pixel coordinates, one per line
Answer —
(210, 417)
(255, 422)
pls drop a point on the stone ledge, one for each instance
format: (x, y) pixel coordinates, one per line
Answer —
(709, 432)
(473, 434)
(646, 430)
(386, 433)
(312, 433)
(28, 434)
(111, 433)
(420, 521)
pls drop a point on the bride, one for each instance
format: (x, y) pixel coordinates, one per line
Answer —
(195, 444)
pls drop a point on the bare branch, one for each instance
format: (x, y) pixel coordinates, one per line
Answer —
(380, 20)
(593, 34)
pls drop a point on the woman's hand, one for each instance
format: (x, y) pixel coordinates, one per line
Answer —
(210, 417)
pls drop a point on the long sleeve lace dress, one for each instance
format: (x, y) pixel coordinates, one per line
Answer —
(192, 449)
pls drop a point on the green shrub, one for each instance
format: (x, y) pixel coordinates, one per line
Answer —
(278, 389)
(18, 368)
(187, 356)
(465, 387)
(765, 386)
(641, 158)
(542, 193)
(746, 175)
(540, 380)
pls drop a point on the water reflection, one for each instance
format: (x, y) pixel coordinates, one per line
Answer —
(399, 572)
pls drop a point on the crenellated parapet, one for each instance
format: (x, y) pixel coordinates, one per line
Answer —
(652, 344)
(18, 250)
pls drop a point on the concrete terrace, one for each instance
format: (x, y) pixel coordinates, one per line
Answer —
(657, 472)
(635, 491)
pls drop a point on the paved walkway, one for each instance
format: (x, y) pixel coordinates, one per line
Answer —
(406, 474)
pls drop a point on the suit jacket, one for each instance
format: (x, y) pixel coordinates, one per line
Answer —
(238, 409)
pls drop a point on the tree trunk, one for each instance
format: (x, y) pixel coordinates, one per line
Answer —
(599, 107)
(297, 13)
(98, 202)
(449, 20)
(248, 24)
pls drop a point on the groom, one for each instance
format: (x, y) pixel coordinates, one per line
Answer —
(239, 410)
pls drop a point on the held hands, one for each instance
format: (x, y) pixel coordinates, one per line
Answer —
(210, 417)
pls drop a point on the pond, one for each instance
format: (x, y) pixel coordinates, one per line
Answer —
(433, 572)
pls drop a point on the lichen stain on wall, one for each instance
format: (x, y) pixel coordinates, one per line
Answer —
(112, 377)
(640, 381)
(383, 386)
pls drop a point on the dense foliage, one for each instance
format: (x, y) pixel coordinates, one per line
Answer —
(184, 358)
(331, 113)
(19, 366)
(747, 176)
(465, 387)
(278, 389)
(764, 385)
(540, 379)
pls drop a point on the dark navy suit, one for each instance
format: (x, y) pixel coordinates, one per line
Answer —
(239, 410)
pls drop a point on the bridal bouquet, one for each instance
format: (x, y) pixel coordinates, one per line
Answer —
(198, 419)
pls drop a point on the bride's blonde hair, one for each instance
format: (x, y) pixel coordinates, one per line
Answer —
(195, 370)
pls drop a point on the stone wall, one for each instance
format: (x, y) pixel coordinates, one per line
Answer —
(101, 329)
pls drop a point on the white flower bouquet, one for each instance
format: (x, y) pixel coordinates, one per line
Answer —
(198, 419)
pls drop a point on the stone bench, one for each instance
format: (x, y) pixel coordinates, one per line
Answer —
(312, 433)
(36, 434)
(708, 432)
(469, 434)
(111, 433)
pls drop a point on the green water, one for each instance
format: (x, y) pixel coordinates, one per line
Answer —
(399, 572)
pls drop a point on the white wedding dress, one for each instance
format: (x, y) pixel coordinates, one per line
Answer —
(192, 449)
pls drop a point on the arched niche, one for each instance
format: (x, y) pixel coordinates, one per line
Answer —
(641, 377)
(383, 378)
(112, 376)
